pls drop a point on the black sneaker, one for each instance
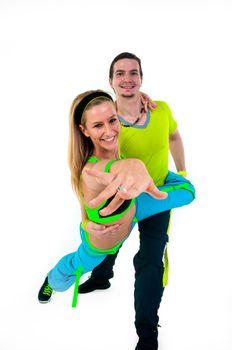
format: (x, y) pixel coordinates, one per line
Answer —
(89, 286)
(145, 347)
(45, 292)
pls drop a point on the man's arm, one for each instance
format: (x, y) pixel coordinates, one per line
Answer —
(177, 150)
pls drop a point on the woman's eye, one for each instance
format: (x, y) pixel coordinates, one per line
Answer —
(97, 126)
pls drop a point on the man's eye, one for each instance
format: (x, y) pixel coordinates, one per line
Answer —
(113, 120)
(97, 126)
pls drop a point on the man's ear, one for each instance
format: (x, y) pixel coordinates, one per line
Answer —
(110, 82)
(83, 130)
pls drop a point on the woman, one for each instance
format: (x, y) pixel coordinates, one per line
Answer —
(93, 144)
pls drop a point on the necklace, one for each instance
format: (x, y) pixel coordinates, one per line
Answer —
(136, 121)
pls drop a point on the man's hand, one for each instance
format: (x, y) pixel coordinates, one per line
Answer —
(147, 102)
(101, 231)
(130, 178)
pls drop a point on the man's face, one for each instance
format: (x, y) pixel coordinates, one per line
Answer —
(126, 80)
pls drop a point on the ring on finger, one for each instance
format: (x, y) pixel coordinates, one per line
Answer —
(122, 188)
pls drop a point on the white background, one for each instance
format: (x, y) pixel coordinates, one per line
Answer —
(49, 52)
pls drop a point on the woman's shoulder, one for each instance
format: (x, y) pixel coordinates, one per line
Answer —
(91, 182)
(98, 165)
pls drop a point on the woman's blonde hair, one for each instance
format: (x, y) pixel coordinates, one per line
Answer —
(80, 147)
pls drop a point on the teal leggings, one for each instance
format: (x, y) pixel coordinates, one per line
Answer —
(86, 258)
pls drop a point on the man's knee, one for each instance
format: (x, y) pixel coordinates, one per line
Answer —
(155, 226)
(152, 263)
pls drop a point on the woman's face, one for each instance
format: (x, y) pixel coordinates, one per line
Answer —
(102, 126)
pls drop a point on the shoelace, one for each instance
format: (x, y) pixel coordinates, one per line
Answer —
(48, 290)
(75, 293)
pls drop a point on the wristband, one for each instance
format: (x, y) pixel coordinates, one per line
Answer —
(83, 224)
(182, 172)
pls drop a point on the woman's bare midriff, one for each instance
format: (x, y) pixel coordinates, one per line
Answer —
(116, 237)
(125, 221)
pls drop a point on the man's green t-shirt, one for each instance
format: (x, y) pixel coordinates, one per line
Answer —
(150, 142)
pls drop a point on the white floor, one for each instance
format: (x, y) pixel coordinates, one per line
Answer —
(195, 311)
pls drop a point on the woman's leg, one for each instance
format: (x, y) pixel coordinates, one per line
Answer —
(63, 275)
(180, 192)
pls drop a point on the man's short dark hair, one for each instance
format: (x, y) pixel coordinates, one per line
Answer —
(122, 56)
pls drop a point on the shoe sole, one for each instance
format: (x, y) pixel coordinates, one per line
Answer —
(46, 301)
(93, 289)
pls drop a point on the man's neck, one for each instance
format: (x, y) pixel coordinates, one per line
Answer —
(129, 107)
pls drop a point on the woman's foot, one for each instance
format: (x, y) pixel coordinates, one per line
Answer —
(45, 292)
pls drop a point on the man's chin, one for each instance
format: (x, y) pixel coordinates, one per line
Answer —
(129, 95)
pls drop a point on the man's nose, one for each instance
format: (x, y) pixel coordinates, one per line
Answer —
(127, 77)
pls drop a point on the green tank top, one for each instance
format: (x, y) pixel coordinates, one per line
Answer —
(94, 215)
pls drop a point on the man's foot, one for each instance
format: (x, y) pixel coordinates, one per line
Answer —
(147, 344)
(45, 292)
(145, 347)
(89, 286)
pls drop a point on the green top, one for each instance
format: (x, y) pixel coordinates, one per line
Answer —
(150, 142)
(93, 213)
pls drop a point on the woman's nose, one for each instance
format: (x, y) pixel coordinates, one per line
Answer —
(108, 129)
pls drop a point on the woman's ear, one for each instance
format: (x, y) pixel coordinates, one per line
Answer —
(83, 130)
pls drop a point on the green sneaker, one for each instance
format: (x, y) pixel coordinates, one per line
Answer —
(45, 292)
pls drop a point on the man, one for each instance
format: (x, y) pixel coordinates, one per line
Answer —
(147, 136)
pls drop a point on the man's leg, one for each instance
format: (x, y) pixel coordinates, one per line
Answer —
(153, 230)
(148, 263)
(100, 276)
